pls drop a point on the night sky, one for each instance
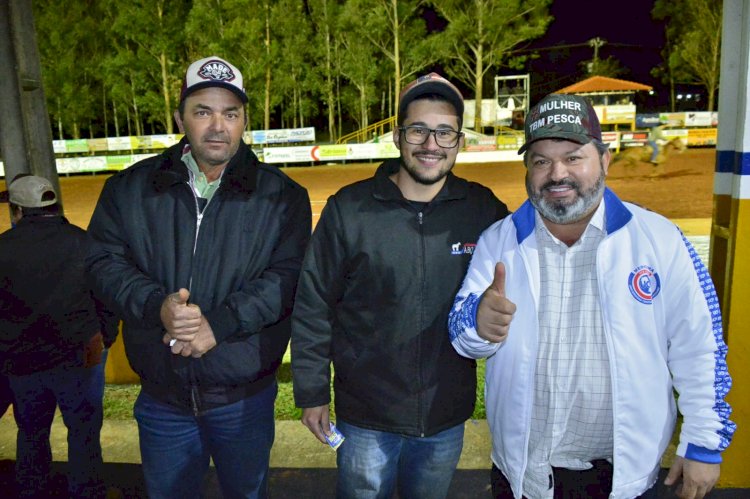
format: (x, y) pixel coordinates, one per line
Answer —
(631, 36)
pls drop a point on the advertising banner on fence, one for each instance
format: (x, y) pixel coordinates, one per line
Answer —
(283, 135)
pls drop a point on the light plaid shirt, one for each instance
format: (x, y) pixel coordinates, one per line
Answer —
(571, 422)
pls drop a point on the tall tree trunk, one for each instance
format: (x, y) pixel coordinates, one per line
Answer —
(478, 84)
(115, 118)
(165, 91)
(329, 78)
(59, 119)
(396, 58)
(267, 100)
(105, 114)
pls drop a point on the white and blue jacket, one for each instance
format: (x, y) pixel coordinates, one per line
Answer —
(663, 330)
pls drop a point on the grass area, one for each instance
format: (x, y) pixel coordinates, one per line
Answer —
(119, 399)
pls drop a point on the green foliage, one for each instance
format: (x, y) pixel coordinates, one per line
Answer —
(693, 47)
(481, 35)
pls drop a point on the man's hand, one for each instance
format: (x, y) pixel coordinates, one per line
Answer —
(92, 351)
(495, 311)
(317, 420)
(694, 479)
(180, 319)
(203, 341)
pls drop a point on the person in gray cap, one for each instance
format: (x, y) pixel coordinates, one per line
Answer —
(384, 264)
(52, 340)
(591, 312)
(199, 250)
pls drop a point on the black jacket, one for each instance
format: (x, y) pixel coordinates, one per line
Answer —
(47, 311)
(378, 281)
(241, 265)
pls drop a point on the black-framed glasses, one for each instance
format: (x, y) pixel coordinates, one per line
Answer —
(418, 135)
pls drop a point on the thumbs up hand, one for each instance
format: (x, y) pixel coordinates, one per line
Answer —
(495, 311)
(180, 318)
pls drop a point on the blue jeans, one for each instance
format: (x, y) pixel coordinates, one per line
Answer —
(654, 150)
(176, 446)
(371, 463)
(79, 392)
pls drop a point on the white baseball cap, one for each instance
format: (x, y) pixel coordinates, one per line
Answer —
(213, 72)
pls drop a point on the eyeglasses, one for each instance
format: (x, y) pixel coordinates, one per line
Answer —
(418, 135)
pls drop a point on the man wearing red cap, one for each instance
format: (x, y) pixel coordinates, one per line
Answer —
(592, 312)
(199, 249)
(385, 261)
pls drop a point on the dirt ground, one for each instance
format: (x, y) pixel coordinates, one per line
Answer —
(684, 188)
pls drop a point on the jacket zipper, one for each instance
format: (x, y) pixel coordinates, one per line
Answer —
(194, 398)
(420, 220)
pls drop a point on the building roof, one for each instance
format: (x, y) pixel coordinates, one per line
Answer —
(603, 85)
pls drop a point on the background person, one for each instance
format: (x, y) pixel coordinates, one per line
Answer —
(591, 311)
(385, 261)
(199, 250)
(51, 340)
(655, 139)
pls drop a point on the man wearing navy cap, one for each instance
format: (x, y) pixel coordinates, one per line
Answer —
(199, 250)
(384, 264)
(591, 313)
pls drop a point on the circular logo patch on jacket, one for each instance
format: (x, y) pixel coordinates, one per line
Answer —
(644, 284)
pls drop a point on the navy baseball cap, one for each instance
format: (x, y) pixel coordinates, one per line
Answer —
(562, 116)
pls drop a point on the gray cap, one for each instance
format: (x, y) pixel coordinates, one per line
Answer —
(562, 116)
(30, 191)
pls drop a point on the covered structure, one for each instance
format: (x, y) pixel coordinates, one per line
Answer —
(604, 91)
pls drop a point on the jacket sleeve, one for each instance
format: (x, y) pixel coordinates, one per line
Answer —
(697, 360)
(127, 291)
(463, 315)
(320, 287)
(267, 299)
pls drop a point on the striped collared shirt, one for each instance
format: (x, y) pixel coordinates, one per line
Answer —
(572, 421)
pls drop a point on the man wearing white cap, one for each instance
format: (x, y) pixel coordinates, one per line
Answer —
(386, 259)
(592, 312)
(199, 250)
(52, 336)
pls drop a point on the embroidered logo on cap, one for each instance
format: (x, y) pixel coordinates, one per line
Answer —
(644, 284)
(216, 70)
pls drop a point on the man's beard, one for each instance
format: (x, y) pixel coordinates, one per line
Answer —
(561, 212)
(422, 178)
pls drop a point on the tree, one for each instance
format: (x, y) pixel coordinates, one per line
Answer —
(153, 29)
(71, 85)
(236, 31)
(357, 55)
(324, 15)
(694, 43)
(481, 35)
(397, 30)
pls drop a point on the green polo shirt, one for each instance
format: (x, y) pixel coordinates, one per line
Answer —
(201, 185)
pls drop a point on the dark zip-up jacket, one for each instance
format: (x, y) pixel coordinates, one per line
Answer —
(377, 284)
(239, 257)
(47, 311)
